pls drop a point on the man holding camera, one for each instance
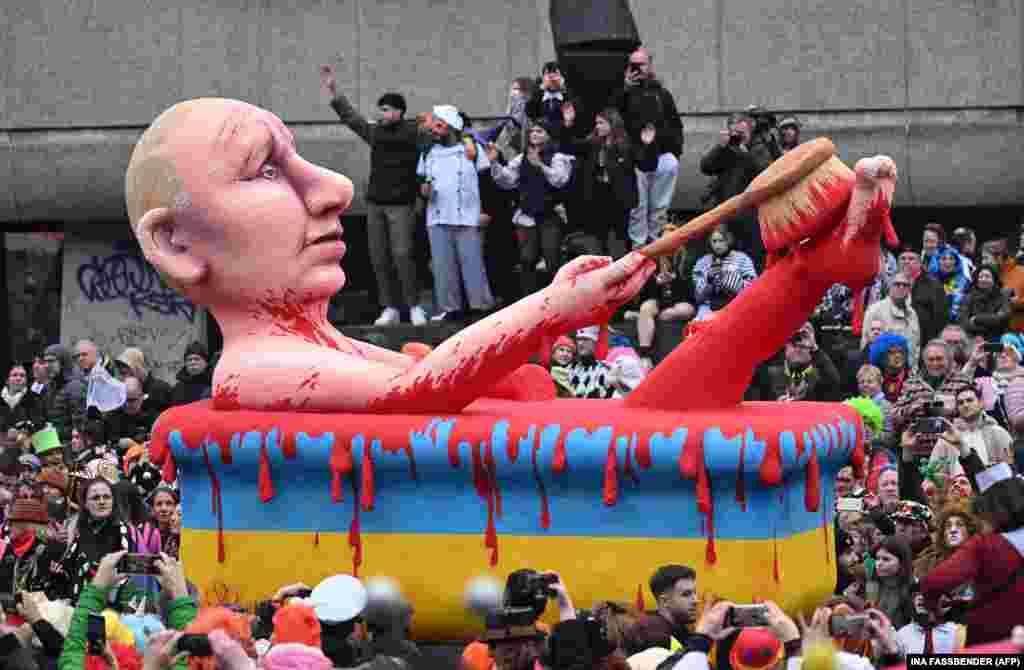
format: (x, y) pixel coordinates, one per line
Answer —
(928, 396)
(807, 373)
(645, 102)
(974, 429)
(733, 165)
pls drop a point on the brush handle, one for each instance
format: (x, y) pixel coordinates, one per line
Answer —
(666, 245)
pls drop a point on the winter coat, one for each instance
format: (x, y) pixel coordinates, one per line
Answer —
(26, 409)
(898, 321)
(93, 601)
(39, 569)
(394, 152)
(818, 383)
(620, 162)
(993, 439)
(650, 102)
(733, 168)
(929, 300)
(549, 111)
(189, 388)
(985, 313)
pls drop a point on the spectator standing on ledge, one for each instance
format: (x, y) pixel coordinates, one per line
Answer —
(789, 129)
(546, 101)
(644, 101)
(390, 197)
(195, 379)
(451, 185)
(732, 167)
(537, 174)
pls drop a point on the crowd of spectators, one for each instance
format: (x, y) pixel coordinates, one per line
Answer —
(929, 533)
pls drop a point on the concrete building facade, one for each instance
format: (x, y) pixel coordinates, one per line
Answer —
(937, 84)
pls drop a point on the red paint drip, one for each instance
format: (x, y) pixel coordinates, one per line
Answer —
(217, 504)
(770, 471)
(266, 482)
(291, 317)
(453, 452)
(775, 558)
(627, 469)
(368, 479)
(558, 463)
(824, 530)
(341, 466)
(169, 471)
(812, 487)
(355, 538)
(311, 382)
(492, 471)
(741, 494)
(640, 604)
(226, 457)
(688, 461)
(409, 454)
(705, 502)
(288, 447)
(710, 555)
(316, 539)
(480, 482)
(545, 510)
(512, 446)
(643, 453)
(611, 477)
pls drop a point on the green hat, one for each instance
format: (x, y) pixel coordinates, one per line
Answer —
(46, 440)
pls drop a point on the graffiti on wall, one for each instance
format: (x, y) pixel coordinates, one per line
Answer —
(126, 275)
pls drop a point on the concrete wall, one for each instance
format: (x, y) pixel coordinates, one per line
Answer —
(938, 84)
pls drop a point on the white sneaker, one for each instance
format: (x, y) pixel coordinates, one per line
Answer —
(631, 315)
(542, 265)
(417, 316)
(389, 317)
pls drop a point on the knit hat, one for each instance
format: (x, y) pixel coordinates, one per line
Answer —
(197, 349)
(551, 66)
(755, 649)
(450, 115)
(910, 510)
(133, 358)
(649, 659)
(565, 343)
(30, 510)
(296, 657)
(55, 478)
(589, 333)
(395, 100)
(297, 623)
(46, 440)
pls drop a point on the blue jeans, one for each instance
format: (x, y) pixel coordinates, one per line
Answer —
(655, 190)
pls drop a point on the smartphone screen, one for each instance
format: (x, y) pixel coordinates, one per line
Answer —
(139, 564)
(96, 635)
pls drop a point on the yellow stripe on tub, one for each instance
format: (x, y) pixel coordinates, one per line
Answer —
(433, 569)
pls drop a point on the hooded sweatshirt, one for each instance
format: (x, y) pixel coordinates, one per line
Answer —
(954, 283)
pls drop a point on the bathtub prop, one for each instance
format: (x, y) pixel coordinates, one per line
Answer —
(318, 452)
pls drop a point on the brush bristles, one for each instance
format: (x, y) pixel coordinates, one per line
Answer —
(806, 209)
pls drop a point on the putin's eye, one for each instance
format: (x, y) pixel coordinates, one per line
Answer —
(268, 171)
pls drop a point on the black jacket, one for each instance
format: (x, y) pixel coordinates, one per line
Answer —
(620, 163)
(158, 396)
(991, 312)
(733, 169)
(39, 569)
(650, 102)
(929, 300)
(822, 384)
(190, 388)
(394, 154)
(551, 111)
(28, 409)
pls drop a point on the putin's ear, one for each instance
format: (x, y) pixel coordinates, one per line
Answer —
(169, 248)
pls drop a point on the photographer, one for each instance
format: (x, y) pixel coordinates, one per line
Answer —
(807, 372)
(871, 624)
(765, 146)
(929, 393)
(733, 166)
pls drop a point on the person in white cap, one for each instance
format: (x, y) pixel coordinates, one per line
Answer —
(587, 375)
(449, 172)
(992, 561)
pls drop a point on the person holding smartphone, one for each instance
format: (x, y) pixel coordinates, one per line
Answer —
(973, 430)
(93, 600)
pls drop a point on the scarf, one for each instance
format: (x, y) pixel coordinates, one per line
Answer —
(12, 399)
(892, 384)
(798, 382)
(23, 543)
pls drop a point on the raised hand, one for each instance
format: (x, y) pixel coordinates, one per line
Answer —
(568, 114)
(327, 80)
(492, 152)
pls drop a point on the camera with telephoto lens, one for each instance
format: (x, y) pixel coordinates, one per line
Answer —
(526, 597)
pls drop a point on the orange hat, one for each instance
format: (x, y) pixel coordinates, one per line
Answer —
(564, 342)
(297, 623)
(756, 649)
